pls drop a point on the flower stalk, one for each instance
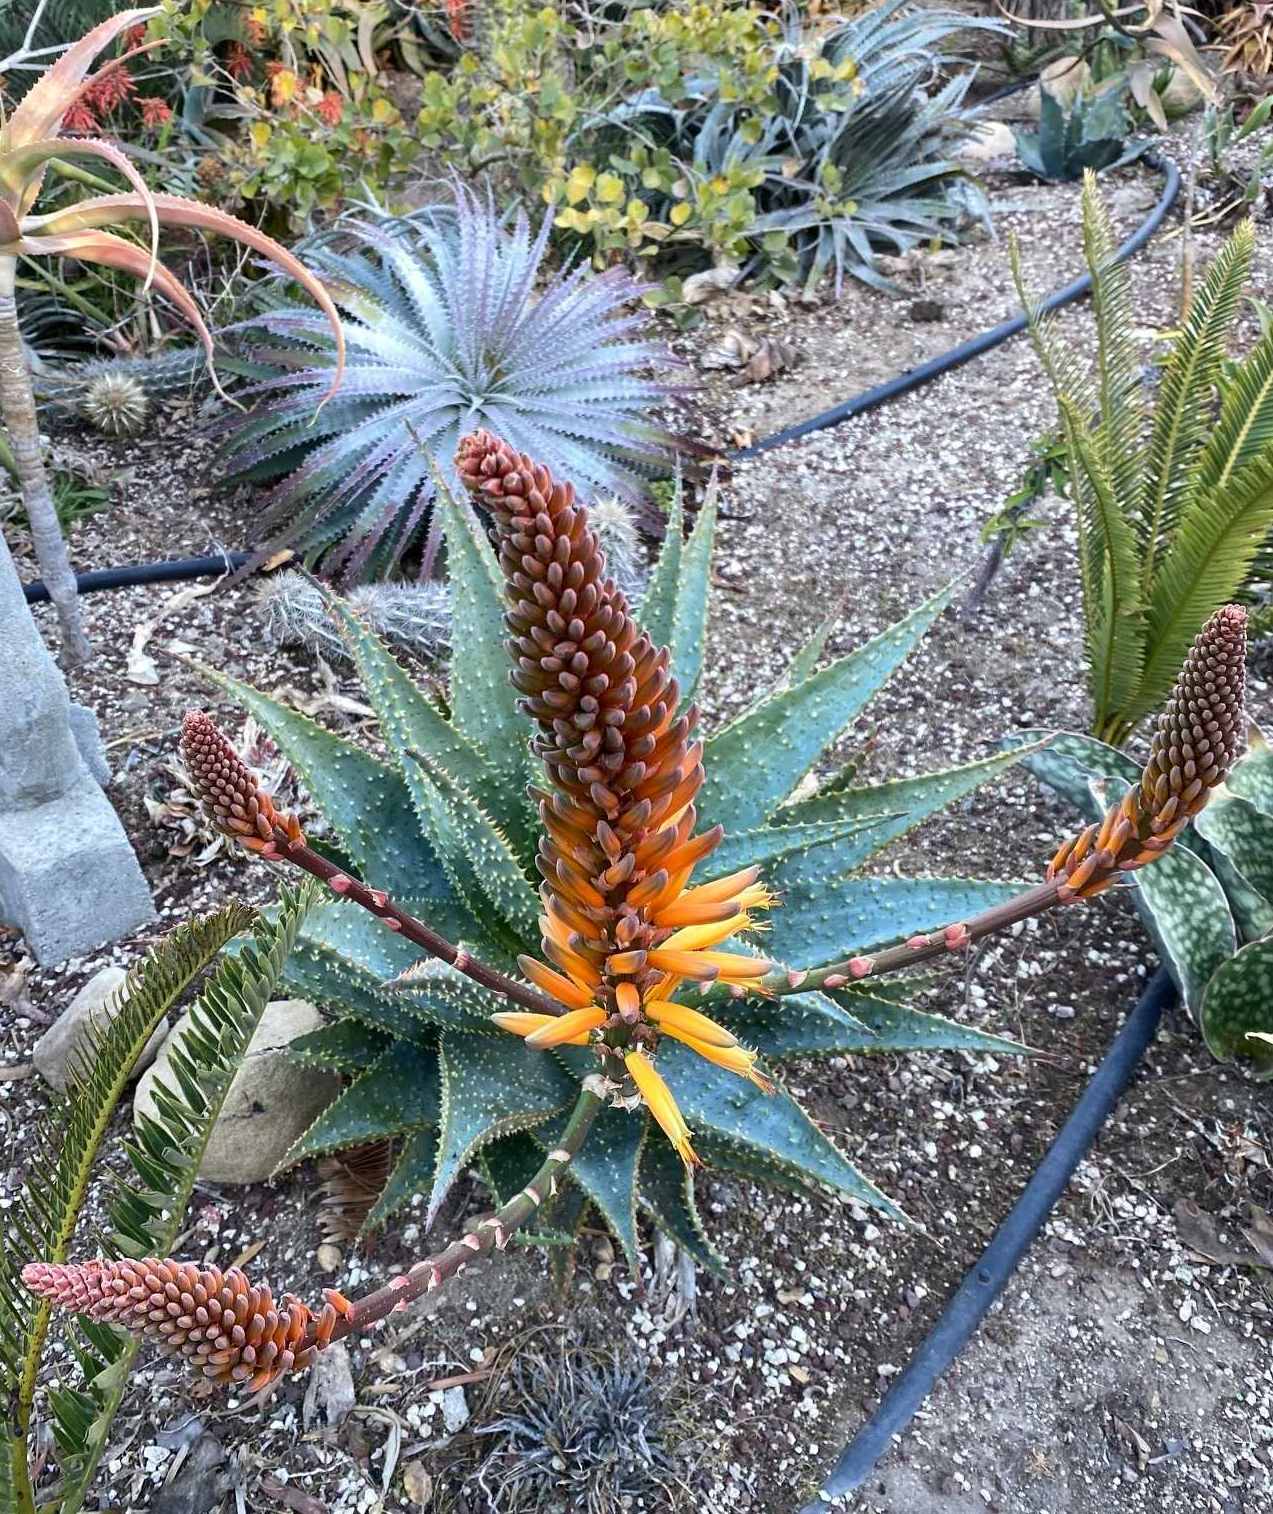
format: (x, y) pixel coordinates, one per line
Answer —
(232, 1332)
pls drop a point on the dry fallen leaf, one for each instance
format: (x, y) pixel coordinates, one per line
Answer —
(1201, 1233)
(141, 665)
(417, 1484)
(770, 357)
(291, 1497)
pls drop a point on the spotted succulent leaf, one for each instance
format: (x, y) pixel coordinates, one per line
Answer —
(343, 1046)
(400, 1092)
(826, 916)
(1237, 1009)
(490, 1087)
(769, 1129)
(1252, 778)
(606, 1171)
(756, 761)
(1068, 761)
(1241, 840)
(667, 1192)
(412, 1173)
(365, 803)
(484, 703)
(769, 845)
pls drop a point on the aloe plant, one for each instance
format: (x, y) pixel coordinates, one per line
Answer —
(30, 140)
(548, 1038)
(1209, 907)
(1172, 501)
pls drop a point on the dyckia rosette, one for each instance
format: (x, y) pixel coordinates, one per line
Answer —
(622, 926)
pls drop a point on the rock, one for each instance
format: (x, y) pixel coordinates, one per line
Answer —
(1181, 95)
(927, 310)
(95, 1003)
(271, 1101)
(331, 1387)
(993, 139)
(200, 1485)
(708, 284)
(455, 1409)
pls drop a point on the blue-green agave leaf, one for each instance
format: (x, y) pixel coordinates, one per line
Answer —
(491, 1085)
(735, 1114)
(1238, 1001)
(399, 1092)
(758, 759)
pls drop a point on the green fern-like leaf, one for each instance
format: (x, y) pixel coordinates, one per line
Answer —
(42, 1222)
(147, 1211)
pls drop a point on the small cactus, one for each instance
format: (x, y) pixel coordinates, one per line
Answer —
(116, 404)
(415, 617)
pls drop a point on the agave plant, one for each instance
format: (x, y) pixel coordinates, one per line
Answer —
(1209, 906)
(30, 139)
(448, 331)
(602, 1086)
(857, 151)
(1172, 502)
(1090, 131)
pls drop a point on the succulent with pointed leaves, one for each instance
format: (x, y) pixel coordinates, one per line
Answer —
(619, 921)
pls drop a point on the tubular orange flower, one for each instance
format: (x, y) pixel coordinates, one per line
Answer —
(621, 923)
(575, 1023)
(523, 1022)
(658, 1096)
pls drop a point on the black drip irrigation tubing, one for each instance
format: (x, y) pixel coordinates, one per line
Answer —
(983, 1284)
(964, 1313)
(176, 570)
(945, 362)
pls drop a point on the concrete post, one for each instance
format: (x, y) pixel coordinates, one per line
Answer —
(68, 877)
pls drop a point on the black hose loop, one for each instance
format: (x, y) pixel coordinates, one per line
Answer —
(913, 378)
(983, 1283)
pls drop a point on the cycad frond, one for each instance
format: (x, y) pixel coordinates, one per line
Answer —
(1117, 435)
(45, 1215)
(1109, 560)
(1245, 428)
(1183, 414)
(1209, 558)
(165, 1154)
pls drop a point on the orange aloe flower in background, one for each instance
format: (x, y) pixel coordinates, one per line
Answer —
(624, 931)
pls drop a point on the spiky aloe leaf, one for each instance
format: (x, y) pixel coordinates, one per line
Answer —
(667, 1192)
(483, 701)
(365, 803)
(606, 1170)
(674, 606)
(772, 844)
(828, 916)
(490, 1087)
(344, 1046)
(766, 1132)
(400, 1092)
(412, 1173)
(1239, 1002)
(845, 1022)
(889, 810)
(758, 759)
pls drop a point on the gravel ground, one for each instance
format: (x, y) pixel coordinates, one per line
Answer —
(1120, 1370)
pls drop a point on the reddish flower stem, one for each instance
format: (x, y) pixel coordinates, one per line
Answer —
(343, 1317)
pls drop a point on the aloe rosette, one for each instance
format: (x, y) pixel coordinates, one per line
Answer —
(442, 822)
